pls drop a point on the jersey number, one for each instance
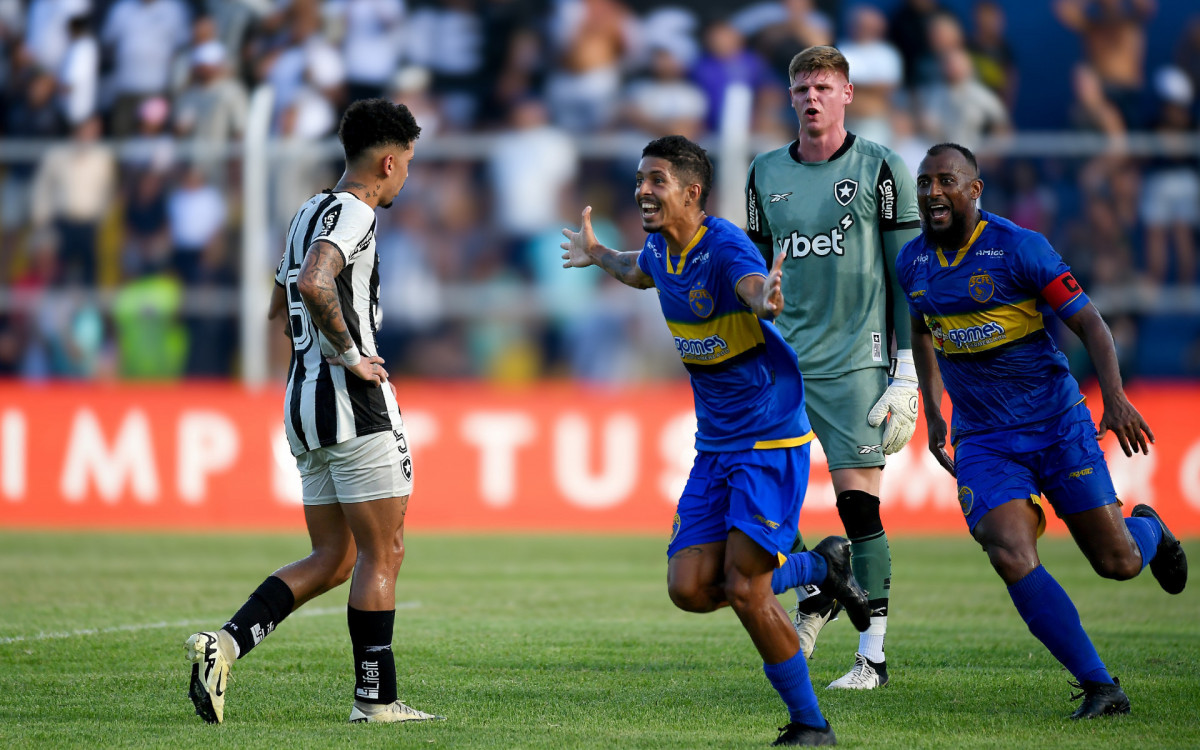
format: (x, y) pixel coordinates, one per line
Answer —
(298, 314)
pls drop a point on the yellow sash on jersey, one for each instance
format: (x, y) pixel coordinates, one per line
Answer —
(981, 330)
(717, 340)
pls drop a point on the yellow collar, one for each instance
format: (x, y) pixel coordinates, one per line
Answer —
(962, 251)
(678, 269)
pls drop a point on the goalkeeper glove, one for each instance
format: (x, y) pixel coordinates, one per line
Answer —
(900, 400)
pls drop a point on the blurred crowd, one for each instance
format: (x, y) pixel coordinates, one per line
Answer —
(122, 195)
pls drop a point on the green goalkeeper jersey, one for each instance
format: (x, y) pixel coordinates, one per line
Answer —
(841, 224)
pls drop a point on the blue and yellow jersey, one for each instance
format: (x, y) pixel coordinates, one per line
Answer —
(987, 305)
(745, 378)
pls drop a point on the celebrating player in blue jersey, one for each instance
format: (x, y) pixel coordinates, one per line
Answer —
(980, 289)
(737, 517)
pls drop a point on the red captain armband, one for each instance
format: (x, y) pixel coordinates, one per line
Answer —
(1062, 291)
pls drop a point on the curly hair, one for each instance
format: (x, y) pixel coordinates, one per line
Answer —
(376, 122)
(689, 162)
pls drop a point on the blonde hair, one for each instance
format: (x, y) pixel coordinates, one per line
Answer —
(817, 60)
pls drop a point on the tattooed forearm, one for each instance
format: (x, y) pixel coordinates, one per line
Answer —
(318, 288)
(624, 268)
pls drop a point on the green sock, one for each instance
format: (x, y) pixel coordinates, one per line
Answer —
(871, 560)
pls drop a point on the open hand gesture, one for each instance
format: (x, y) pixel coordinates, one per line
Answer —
(773, 289)
(576, 247)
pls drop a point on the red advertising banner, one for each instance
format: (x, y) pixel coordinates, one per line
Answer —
(547, 457)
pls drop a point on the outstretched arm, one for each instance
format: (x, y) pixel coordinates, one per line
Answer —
(317, 284)
(1119, 415)
(930, 380)
(764, 294)
(582, 249)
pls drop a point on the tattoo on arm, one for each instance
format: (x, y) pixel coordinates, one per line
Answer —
(318, 289)
(624, 268)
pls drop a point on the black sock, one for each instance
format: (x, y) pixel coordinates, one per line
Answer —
(374, 664)
(263, 611)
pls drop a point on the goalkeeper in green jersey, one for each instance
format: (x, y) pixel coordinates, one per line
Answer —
(840, 208)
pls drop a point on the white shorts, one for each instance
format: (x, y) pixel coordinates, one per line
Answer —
(364, 468)
(1171, 197)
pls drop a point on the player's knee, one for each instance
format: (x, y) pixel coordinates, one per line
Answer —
(1117, 566)
(740, 592)
(859, 512)
(690, 596)
(1011, 563)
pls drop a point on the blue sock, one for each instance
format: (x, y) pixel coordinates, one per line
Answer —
(1146, 533)
(1053, 620)
(790, 680)
(799, 568)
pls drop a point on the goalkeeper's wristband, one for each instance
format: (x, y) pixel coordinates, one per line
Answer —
(351, 357)
(902, 365)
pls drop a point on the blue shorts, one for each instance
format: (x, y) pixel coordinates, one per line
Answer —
(758, 492)
(1058, 457)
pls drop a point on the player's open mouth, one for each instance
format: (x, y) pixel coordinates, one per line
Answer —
(811, 112)
(648, 210)
(939, 212)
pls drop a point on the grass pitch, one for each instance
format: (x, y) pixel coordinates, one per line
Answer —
(558, 642)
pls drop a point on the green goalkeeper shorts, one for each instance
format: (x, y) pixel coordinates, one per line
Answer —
(837, 408)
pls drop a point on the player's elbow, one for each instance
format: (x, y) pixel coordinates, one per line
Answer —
(308, 285)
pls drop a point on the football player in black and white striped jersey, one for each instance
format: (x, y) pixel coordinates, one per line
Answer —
(342, 424)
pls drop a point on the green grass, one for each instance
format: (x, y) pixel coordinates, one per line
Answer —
(557, 643)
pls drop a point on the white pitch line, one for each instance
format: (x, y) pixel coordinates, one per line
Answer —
(313, 612)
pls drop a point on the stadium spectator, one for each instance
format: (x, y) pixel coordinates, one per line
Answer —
(591, 40)
(799, 25)
(959, 108)
(197, 213)
(29, 113)
(151, 341)
(842, 299)
(531, 158)
(945, 35)
(307, 75)
(447, 39)
(1098, 249)
(1187, 52)
(73, 190)
(78, 75)
(142, 37)
(726, 61)
(665, 101)
(356, 471)
(47, 29)
(747, 392)
(876, 71)
(1091, 111)
(410, 87)
(152, 145)
(993, 56)
(1032, 204)
(372, 43)
(1113, 33)
(147, 232)
(1170, 207)
(1017, 437)
(211, 112)
(908, 31)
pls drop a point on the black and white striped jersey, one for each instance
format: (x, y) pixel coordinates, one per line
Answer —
(324, 404)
